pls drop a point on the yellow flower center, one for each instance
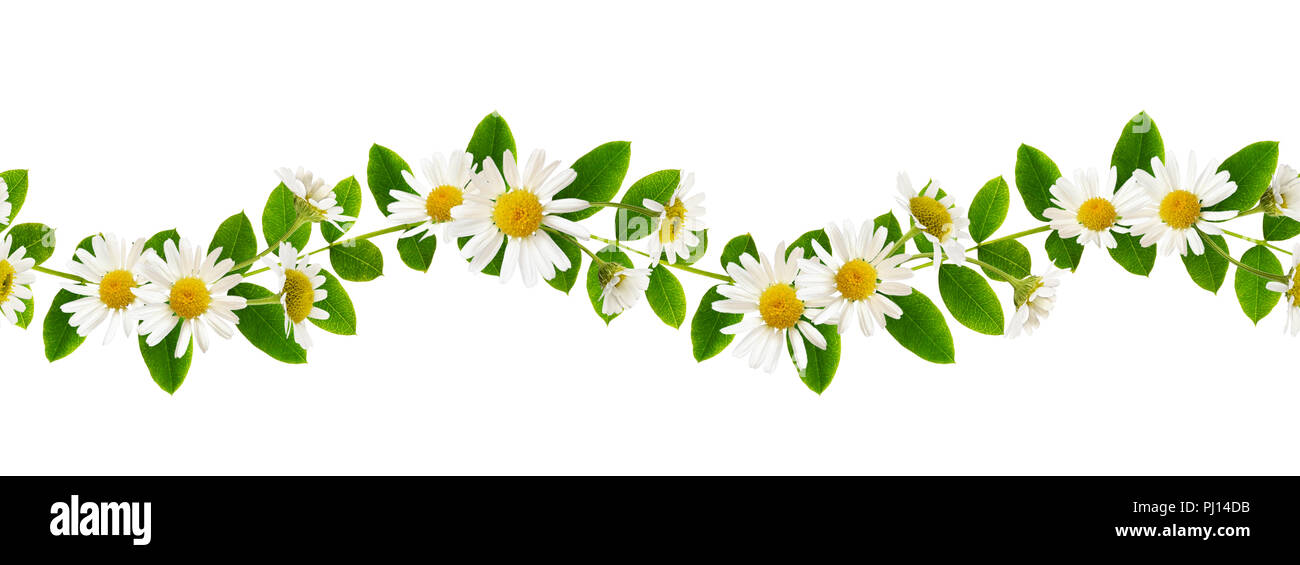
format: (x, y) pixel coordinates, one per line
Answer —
(190, 298)
(779, 306)
(856, 280)
(299, 296)
(674, 218)
(517, 213)
(932, 215)
(1180, 209)
(115, 289)
(6, 280)
(1292, 294)
(441, 200)
(1097, 214)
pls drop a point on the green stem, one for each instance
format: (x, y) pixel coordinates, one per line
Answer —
(1254, 241)
(297, 223)
(680, 267)
(376, 233)
(264, 301)
(1239, 264)
(632, 207)
(61, 274)
(903, 240)
(597, 260)
(1016, 235)
(994, 270)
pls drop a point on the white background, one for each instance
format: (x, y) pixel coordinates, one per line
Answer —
(136, 117)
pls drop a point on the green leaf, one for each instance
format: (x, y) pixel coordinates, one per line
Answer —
(492, 138)
(657, 186)
(1257, 300)
(600, 174)
(739, 245)
(1252, 169)
(16, 180)
(895, 231)
(263, 326)
(1009, 255)
(1280, 228)
(347, 194)
(989, 208)
(666, 296)
(236, 239)
(1035, 175)
(61, 339)
(156, 242)
(1064, 253)
(1138, 144)
(804, 242)
(360, 262)
(37, 239)
(593, 279)
(25, 317)
(563, 281)
(417, 251)
(384, 175)
(279, 217)
(167, 371)
(1209, 268)
(921, 328)
(822, 363)
(343, 317)
(1130, 254)
(707, 339)
(970, 299)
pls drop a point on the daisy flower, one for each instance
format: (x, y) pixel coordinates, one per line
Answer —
(942, 221)
(112, 273)
(853, 280)
(774, 314)
(1290, 290)
(5, 207)
(300, 290)
(16, 277)
(1281, 199)
(1089, 208)
(1034, 299)
(678, 221)
(621, 287)
(188, 290)
(441, 187)
(312, 190)
(1176, 205)
(511, 209)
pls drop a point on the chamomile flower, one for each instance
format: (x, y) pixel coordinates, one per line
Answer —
(300, 290)
(1089, 208)
(5, 207)
(853, 281)
(313, 191)
(112, 270)
(1281, 199)
(1175, 205)
(188, 290)
(508, 208)
(1291, 292)
(1034, 299)
(678, 221)
(16, 278)
(621, 287)
(441, 187)
(774, 314)
(942, 221)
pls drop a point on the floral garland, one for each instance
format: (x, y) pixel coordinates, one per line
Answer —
(171, 293)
